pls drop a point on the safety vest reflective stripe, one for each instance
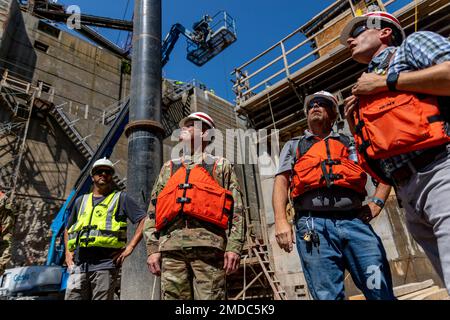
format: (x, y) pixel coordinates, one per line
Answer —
(110, 212)
(84, 201)
(100, 233)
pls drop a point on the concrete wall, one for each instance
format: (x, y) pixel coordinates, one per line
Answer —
(88, 80)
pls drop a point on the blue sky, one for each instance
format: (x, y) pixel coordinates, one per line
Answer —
(260, 24)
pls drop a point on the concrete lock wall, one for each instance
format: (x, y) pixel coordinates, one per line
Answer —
(87, 80)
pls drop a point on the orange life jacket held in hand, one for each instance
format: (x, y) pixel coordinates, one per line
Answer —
(323, 163)
(196, 193)
(390, 123)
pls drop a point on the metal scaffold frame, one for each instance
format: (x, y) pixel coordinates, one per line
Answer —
(270, 87)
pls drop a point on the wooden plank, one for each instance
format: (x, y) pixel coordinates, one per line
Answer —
(418, 293)
(412, 287)
(439, 294)
(357, 297)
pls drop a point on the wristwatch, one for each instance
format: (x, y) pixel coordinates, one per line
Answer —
(391, 81)
(378, 202)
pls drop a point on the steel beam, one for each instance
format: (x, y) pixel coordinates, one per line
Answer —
(144, 133)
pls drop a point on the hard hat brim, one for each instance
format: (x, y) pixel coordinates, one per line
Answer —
(345, 34)
(183, 121)
(100, 166)
(319, 95)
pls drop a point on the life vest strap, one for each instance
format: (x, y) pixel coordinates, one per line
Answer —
(359, 126)
(436, 118)
(363, 146)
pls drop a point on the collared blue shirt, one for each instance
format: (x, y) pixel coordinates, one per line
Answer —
(419, 51)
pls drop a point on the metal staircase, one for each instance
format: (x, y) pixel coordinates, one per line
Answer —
(21, 98)
(68, 126)
(256, 278)
(262, 254)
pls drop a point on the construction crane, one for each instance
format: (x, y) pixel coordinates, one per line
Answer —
(204, 43)
(209, 36)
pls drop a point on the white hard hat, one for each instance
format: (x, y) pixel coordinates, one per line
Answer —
(102, 163)
(373, 21)
(321, 94)
(199, 116)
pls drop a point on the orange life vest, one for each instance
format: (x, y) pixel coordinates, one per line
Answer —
(389, 124)
(196, 193)
(323, 163)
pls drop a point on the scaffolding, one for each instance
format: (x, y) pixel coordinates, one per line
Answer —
(20, 98)
(312, 59)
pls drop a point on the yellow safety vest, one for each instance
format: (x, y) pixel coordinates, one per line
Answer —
(96, 226)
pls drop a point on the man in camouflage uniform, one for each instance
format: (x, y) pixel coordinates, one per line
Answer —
(193, 256)
(6, 231)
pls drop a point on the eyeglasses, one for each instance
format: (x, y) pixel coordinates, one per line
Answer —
(358, 30)
(321, 102)
(102, 171)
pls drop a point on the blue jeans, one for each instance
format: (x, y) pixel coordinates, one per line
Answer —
(344, 244)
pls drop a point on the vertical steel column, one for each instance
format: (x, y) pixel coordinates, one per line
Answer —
(144, 133)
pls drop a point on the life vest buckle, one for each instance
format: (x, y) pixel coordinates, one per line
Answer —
(185, 186)
(183, 200)
(335, 176)
(332, 162)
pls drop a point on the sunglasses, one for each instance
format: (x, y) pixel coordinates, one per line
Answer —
(101, 171)
(358, 30)
(321, 102)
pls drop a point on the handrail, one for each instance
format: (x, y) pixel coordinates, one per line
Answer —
(242, 87)
(75, 131)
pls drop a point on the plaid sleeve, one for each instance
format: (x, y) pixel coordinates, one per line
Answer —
(420, 50)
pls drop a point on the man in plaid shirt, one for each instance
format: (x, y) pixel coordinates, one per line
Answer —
(418, 64)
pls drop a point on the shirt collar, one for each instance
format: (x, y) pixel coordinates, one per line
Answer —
(194, 158)
(380, 61)
(309, 134)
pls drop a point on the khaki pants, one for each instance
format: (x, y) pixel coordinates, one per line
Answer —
(427, 204)
(194, 273)
(5, 255)
(95, 285)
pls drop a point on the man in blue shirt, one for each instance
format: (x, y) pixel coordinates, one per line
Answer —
(418, 68)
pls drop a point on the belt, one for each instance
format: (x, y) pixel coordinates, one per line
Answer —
(404, 173)
(347, 214)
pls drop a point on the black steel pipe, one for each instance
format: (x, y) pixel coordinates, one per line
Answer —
(144, 138)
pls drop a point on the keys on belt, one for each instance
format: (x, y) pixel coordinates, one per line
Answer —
(403, 174)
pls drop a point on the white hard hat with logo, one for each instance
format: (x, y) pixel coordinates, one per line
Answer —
(201, 116)
(373, 21)
(321, 94)
(104, 162)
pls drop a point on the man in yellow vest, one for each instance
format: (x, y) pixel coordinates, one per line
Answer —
(96, 236)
